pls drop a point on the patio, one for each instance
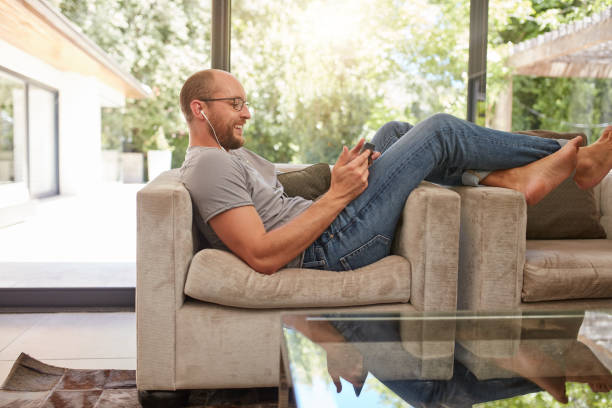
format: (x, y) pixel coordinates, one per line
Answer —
(87, 240)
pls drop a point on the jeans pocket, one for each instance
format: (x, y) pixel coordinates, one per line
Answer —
(373, 250)
(319, 261)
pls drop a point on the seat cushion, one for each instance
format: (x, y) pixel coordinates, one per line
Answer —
(567, 269)
(221, 277)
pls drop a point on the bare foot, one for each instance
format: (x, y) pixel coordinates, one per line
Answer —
(577, 364)
(537, 179)
(594, 161)
(531, 363)
(581, 365)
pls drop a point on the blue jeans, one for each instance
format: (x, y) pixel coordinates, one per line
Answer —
(439, 149)
(462, 390)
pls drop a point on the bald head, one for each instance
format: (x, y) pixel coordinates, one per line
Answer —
(201, 85)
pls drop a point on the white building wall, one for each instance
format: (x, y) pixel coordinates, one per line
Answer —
(80, 141)
(79, 116)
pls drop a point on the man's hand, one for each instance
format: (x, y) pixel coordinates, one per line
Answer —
(344, 360)
(350, 173)
(355, 151)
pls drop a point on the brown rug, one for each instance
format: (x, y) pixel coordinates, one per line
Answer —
(33, 384)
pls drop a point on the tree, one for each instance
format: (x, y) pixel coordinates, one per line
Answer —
(161, 43)
(562, 104)
(321, 74)
(579, 395)
(336, 71)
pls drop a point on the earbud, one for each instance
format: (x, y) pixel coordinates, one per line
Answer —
(213, 129)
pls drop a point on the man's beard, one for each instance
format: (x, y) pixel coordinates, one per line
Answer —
(227, 138)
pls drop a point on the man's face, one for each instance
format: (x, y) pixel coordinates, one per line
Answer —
(228, 122)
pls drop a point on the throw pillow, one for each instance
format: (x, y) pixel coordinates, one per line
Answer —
(567, 212)
(309, 183)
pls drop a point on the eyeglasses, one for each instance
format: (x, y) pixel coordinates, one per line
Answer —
(237, 103)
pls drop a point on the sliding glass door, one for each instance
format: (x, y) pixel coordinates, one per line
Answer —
(42, 126)
(28, 139)
(13, 156)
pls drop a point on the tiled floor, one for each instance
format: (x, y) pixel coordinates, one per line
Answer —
(74, 340)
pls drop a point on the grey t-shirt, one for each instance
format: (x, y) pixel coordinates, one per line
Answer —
(219, 181)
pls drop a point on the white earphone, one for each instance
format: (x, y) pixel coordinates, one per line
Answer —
(213, 129)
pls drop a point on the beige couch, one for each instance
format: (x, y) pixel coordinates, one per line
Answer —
(500, 270)
(207, 320)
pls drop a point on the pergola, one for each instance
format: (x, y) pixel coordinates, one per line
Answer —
(582, 49)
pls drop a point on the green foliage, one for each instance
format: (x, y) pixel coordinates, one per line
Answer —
(11, 91)
(579, 395)
(308, 359)
(322, 74)
(112, 130)
(561, 104)
(319, 74)
(161, 43)
(6, 116)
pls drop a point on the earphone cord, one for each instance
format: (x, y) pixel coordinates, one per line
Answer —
(213, 129)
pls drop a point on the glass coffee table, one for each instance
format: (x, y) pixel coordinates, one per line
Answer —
(404, 358)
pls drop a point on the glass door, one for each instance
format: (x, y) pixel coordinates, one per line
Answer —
(43, 150)
(13, 164)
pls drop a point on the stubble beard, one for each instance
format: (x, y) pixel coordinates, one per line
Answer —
(225, 134)
(228, 140)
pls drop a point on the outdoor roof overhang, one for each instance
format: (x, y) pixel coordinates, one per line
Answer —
(40, 30)
(582, 49)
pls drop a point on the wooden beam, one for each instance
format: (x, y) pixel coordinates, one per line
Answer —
(567, 70)
(550, 49)
(24, 28)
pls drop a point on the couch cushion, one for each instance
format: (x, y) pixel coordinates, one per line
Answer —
(604, 196)
(567, 212)
(567, 269)
(220, 277)
(309, 183)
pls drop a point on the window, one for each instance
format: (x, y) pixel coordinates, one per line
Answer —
(42, 141)
(535, 81)
(28, 136)
(12, 130)
(322, 74)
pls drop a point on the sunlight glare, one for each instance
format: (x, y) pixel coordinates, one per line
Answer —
(335, 23)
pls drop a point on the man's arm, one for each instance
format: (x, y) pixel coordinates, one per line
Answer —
(243, 232)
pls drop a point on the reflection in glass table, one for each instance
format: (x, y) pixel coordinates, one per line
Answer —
(409, 359)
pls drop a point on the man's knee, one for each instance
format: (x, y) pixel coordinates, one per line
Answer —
(396, 127)
(442, 118)
(438, 122)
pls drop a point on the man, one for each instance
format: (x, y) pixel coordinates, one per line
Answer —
(241, 206)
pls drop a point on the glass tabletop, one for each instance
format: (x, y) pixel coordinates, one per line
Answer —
(409, 359)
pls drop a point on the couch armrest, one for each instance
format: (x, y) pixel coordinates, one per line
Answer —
(428, 236)
(603, 192)
(492, 248)
(165, 246)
